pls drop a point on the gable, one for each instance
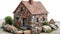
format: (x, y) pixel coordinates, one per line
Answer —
(22, 13)
(35, 8)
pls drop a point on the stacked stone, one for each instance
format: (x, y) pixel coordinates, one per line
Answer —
(22, 32)
(36, 27)
(10, 28)
(53, 25)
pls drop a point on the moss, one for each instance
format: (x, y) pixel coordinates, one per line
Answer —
(46, 23)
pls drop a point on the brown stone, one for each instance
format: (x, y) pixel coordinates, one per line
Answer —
(18, 32)
(52, 21)
(10, 28)
(3, 23)
(27, 32)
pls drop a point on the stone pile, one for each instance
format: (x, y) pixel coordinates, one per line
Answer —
(18, 32)
(10, 28)
(22, 32)
(52, 21)
(53, 25)
(35, 28)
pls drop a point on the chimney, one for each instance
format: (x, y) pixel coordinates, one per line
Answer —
(31, 1)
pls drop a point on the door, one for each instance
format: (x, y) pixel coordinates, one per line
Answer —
(24, 21)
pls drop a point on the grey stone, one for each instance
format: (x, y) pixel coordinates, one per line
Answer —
(52, 21)
(10, 28)
(46, 28)
(53, 26)
(18, 32)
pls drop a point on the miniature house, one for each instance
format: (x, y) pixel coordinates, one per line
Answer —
(29, 12)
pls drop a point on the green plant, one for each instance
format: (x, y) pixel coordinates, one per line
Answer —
(46, 23)
(8, 20)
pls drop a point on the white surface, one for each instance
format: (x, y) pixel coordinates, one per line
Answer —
(8, 6)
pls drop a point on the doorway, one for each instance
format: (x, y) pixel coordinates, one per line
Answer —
(24, 21)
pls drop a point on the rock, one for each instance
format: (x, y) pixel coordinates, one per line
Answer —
(10, 28)
(3, 23)
(5, 27)
(18, 32)
(53, 26)
(36, 27)
(46, 28)
(27, 32)
(39, 29)
(56, 26)
(52, 21)
(34, 31)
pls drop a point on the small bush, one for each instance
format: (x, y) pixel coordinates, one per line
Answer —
(46, 23)
(8, 20)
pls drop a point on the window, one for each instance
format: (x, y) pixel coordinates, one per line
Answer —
(37, 20)
(22, 8)
(32, 18)
(40, 20)
(43, 19)
(17, 17)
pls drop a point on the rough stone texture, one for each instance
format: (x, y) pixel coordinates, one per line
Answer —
(54, 32)
(46, 28)
(18, 32)
(10, 28)
(36, 27)
(52, 21)
(53, 26)
(39, 29)
(27, 32)
(5, 27)
(3, 23)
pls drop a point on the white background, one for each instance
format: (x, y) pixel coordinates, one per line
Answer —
(52, 6)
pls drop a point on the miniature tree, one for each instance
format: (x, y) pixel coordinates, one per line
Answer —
(8, 20)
